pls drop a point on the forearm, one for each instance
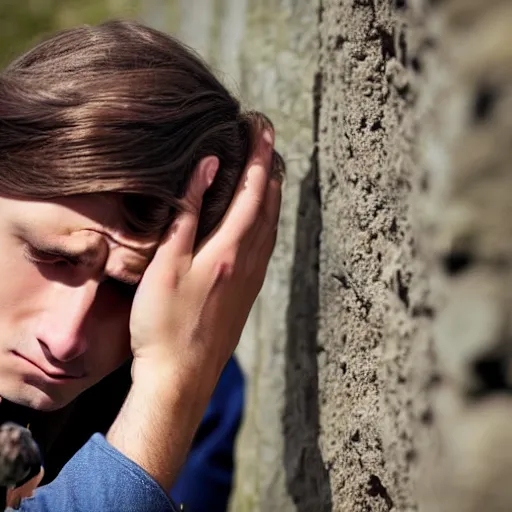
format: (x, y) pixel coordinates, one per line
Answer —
(157, 422)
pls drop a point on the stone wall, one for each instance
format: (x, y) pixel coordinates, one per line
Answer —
(375, 361)
(414, 336)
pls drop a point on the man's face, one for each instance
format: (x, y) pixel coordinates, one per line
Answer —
(64, 298)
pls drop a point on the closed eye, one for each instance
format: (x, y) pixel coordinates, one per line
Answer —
(38, 256)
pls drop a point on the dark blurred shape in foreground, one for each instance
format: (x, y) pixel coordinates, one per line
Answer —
(19, 457)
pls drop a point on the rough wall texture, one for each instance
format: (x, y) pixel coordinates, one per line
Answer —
(414, 287)
(378, 354)
(375, 361)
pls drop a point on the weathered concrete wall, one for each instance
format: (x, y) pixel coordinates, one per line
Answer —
(375, 363)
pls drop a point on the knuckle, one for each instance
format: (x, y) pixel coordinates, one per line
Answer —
(190, 205)
(225, 269)
(172, 282)
(172, 278)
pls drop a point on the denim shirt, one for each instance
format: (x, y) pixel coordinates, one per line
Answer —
(115, 484)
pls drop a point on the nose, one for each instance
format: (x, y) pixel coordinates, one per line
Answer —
(61, 327)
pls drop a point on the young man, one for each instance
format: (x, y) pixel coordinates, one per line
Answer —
(138, 212)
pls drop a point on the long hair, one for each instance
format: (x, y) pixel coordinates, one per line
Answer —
(122, 109)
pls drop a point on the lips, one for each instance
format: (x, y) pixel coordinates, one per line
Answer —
(53, 373)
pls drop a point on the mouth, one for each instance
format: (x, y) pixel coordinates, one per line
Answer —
(54, 373)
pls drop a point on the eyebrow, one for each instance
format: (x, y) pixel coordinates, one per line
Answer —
(85, 257)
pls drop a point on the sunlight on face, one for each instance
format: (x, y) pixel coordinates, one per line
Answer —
(68, 277)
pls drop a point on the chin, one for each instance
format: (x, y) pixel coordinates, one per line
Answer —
(45, 404)
(38, 399)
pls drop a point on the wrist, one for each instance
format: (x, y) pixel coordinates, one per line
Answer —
(190, 382)
(157, 423)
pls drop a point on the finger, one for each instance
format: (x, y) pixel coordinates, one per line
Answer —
(178, 243)
(249, 198)
(272, 209)
(267, 227)
(265, 254)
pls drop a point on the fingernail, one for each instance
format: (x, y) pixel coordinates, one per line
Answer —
(268, 137)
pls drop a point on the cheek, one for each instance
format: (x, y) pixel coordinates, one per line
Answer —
(22, 289)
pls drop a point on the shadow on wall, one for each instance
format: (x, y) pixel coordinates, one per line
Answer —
(306, 475)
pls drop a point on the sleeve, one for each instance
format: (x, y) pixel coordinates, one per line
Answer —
(210, 465)
(99, 478)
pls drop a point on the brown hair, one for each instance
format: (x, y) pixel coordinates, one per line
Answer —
(125, 109)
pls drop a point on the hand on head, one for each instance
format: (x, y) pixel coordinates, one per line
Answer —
(191, 305)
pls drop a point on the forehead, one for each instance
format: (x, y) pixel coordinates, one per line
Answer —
(78, 219)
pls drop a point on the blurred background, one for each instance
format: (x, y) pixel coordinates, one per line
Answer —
(23, 22)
